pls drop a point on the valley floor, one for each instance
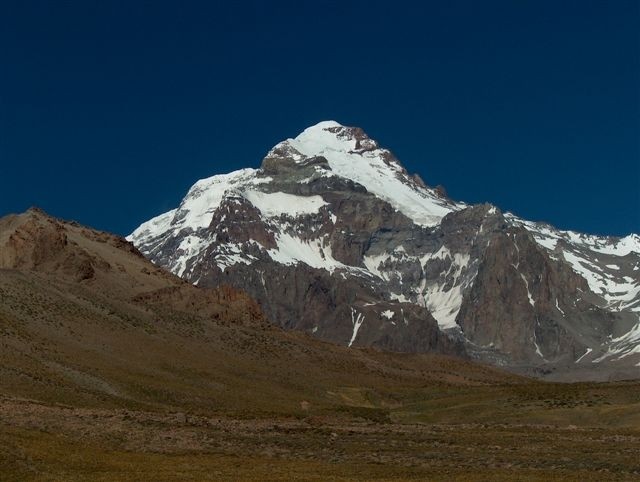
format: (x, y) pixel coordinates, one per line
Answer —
(55, 442)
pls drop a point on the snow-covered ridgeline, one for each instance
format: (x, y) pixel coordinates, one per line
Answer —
(594, 258)
(197, 208)
(369, 166)
(548, 236)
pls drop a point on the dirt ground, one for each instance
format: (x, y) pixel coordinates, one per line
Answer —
(45, 442)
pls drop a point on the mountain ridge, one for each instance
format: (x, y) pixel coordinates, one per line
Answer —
(332, 210)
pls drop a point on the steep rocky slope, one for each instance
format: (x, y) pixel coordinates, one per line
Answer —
(333, 237)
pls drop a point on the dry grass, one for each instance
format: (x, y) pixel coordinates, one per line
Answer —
(42, 442)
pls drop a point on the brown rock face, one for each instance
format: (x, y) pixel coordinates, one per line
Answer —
(244, 224)
(33, 242)
(37, 242)
(359, 220)
(525, 305)
(313, 301)
(508, 306)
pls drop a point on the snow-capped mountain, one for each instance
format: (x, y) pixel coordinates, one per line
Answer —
(333, 237)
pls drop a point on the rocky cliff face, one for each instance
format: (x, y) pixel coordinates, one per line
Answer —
(333, 237)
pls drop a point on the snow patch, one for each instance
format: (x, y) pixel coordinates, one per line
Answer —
(444, 300)
(621, 247)
(535, 343)
(388, 314)
(315, 253)
(589, 350)
(526, 283)
(375, 262)
(279, 203)
(619, 293)
(623, 346)
(230, 254)
(356, 320)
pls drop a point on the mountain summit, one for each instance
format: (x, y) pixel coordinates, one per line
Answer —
(335, 238)
(349, 153)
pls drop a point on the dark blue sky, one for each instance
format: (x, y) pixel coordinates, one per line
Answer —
(109, 111)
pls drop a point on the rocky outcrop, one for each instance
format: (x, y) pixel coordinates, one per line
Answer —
(35, 241)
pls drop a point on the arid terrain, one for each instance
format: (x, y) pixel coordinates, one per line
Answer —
(113, 369)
